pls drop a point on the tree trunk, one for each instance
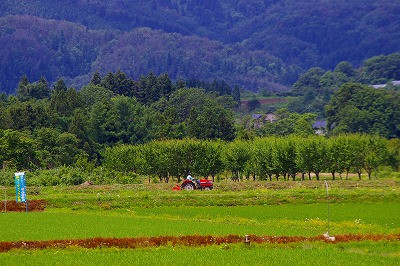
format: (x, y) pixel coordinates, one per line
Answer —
(302, 176)
(369, 174)
(309, 176)
(359, 174)
(294, 177)
(317, 175)
(347, 174)
(333, 175)
(213, 177)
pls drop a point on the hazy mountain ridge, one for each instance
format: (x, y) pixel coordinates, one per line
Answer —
(52, 49)
(301, 33)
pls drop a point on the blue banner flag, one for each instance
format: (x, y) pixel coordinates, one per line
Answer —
(20, 187)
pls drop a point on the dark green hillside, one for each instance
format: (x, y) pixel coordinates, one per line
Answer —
(302, 34)
(49, 48)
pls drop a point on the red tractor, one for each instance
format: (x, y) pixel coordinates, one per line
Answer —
(202, 184)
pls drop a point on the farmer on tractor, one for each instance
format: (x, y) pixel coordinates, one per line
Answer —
(191, 183)
(189, 177)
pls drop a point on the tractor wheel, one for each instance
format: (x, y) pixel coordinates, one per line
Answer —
(189, 187)
(206, 188)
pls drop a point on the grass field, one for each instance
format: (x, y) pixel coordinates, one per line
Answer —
(301, 220)
(366, 253)
(259, 208)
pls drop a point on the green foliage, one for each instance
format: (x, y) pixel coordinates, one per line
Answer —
(316, 87)
(380, 69)
(16, 150)
(253, 104)
(262, 157)
(236, 155)
(92, 94)
(38, 90)
(211, 121)
(357, 108)
(394, 153)
(54, 148)
(289, 123)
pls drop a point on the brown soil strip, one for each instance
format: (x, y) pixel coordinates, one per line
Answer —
(33, 206)
(195, 240)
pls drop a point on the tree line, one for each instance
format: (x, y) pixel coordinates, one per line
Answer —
(259, 159)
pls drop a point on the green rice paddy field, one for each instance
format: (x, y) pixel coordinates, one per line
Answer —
(369, 207)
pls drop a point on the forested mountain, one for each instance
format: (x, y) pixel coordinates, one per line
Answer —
(249, 42)
(49, 48)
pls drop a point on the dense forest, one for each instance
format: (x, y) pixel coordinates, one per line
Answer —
(47, 126)
(256, 44)
(316, 86)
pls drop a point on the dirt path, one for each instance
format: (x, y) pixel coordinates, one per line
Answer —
(195, 240)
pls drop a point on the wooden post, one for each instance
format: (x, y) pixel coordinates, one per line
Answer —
(247, 240)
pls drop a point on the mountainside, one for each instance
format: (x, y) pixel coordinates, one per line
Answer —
(39, 47)
(224, 37)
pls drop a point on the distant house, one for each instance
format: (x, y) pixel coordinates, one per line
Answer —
(261, 119)
(271, 117)
(320, 127)
(380, 86)
(256, 116)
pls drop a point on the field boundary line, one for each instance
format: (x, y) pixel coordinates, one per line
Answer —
(191, 240)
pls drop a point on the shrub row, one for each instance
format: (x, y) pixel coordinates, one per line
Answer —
(262, 158)
(66, 175)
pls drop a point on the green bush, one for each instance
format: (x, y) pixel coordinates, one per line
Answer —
(70, 176)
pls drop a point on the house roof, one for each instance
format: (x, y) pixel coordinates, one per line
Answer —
(379, 86)
(256, 116)
(319, 124)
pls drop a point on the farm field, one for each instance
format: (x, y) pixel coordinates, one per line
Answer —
(281, 220)
(366, 253)
(254, 208)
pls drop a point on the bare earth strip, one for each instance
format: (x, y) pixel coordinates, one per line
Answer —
(195, 240)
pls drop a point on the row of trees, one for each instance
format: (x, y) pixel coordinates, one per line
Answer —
(262, 158)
